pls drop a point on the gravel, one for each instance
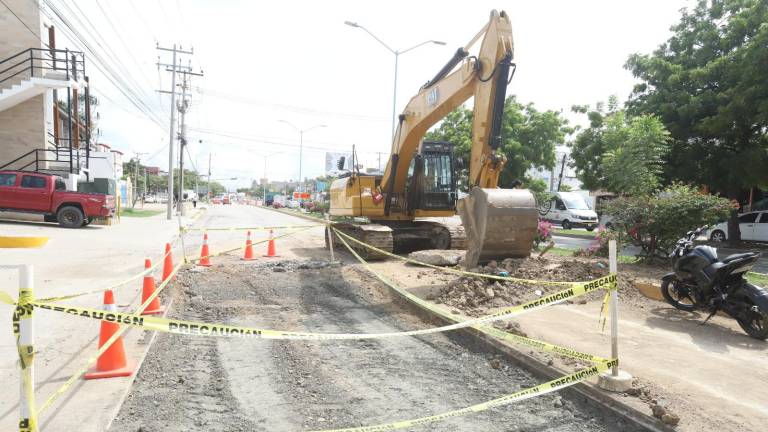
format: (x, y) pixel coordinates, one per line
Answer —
(198, 383)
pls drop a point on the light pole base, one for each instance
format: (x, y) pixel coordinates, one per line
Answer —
(619, 383)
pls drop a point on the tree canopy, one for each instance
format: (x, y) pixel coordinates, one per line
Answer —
(709, 85)
(529, 137)
(618, 153)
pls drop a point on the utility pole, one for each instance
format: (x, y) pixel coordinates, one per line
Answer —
(562, 169)
(136, 177)
(208, 192)
(174, 68)
(182, 106)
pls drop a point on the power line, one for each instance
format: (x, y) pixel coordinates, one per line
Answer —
(141, 18)
(102, 65)
(294, 108)
(23, 23)
(99, 38)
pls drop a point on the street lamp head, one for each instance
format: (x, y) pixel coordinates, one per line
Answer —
(438, 42)
(351, 24)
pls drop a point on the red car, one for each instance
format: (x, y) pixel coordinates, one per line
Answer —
(32, 192)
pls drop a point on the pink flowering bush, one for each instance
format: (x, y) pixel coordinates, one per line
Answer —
(599, 245)
(543, 232)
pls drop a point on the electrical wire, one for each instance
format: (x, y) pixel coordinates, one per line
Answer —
(102, 65)
(23, 23)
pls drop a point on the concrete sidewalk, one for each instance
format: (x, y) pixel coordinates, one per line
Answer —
(73, 261)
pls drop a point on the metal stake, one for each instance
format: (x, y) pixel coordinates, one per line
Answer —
(614, 305)
(25, 342)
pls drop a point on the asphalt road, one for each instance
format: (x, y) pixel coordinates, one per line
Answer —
(197, 383)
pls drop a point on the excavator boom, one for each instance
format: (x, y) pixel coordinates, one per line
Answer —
(497, 222)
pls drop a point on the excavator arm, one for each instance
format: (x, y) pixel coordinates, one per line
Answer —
(497, 222)
(484, 77)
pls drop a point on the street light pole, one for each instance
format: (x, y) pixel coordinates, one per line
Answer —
(301, 146)
(397, 55)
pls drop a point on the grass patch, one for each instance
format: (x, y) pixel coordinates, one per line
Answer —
(586, 234)
(758, 279)
(622, 259)
(129, 212)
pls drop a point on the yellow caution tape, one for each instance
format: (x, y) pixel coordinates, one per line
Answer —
(114, 286)
(26, 359)
(91, 360)
(533, 343)
(541, 389)
(221, 330)
(253, 243)
(453, 270)
(257, 228)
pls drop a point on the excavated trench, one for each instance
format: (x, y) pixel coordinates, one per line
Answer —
(198, 383)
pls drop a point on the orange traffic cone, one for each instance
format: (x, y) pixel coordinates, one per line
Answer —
(271, 247)
(248, 255)
(168, 263)
(112, 362)
(205, 259)
(154, 308)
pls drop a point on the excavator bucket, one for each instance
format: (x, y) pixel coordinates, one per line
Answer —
(499, 223)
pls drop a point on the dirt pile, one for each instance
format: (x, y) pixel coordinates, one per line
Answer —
(474, 296)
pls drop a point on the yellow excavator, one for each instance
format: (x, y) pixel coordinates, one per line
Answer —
(392, 211)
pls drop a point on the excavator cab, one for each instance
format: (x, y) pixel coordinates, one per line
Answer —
(432, 180)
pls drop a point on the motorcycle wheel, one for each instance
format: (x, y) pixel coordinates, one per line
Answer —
(754, 323)
(677, 295)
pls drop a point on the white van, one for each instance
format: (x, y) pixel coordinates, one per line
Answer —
(569, 209)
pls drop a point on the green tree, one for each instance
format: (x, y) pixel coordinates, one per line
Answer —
(618, 153)
(529, 137)
(709, 85)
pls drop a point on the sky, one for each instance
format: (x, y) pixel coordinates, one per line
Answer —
(266, 63)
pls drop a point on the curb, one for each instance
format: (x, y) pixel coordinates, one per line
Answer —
(139, 363)
(542, 370)
(577, 236)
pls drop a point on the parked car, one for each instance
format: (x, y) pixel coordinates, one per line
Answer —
(215, 200)
(32, 192)
(569, 209)
(226, 200)
(753, 226)
(151, 199)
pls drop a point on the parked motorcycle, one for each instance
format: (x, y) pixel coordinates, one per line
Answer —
(701, 281)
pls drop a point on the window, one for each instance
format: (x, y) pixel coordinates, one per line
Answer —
(7, 179)
(33, 182)
(60, 185)
(764, 218)
(560, 205)
(748, 218)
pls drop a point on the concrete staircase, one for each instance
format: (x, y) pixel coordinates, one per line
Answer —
(31, 87)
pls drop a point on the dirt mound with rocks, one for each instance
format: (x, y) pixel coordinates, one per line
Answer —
(475, 296)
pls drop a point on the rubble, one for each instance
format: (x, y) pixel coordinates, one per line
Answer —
(474, 296)
(438, 257)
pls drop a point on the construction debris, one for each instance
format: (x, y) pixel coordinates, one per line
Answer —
(438, 257)
(474, 296)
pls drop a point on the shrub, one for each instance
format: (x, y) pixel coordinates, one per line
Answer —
(543, 232)
(655, 222)
(599, 246)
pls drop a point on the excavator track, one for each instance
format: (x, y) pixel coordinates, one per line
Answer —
(376, 235)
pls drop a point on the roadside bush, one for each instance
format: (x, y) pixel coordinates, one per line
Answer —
(543, 233)
(655, 222)
(599, 246)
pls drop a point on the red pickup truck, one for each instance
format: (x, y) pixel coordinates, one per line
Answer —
(31, 192)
